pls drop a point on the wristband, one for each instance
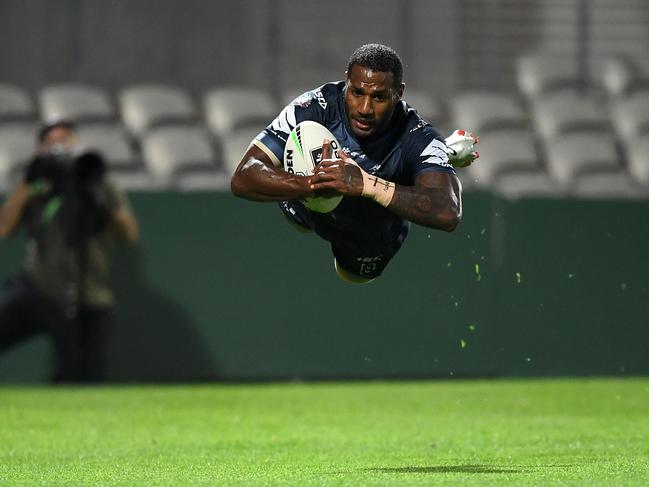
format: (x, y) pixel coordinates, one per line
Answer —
(378, 189)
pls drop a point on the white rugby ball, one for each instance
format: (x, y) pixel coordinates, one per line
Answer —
(303, 152)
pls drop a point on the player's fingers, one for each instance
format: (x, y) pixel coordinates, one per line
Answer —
(326, 149)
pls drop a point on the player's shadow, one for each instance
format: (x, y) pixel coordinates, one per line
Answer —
(154, 338)
(478, 469)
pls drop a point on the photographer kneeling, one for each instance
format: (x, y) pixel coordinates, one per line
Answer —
(71, 214)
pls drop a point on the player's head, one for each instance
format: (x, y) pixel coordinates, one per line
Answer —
(374, 88)
(59, 135)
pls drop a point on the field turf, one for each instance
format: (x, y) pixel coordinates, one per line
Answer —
(493, 432)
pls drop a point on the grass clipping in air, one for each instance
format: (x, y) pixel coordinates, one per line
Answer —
(526, 432)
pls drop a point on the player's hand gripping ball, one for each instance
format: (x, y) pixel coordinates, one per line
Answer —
(303, 152)
(461, 148)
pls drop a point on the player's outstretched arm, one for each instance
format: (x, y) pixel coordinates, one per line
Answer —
(434, 201)
(257, 179)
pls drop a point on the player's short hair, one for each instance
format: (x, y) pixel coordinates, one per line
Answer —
(47, 127)
(378, 57)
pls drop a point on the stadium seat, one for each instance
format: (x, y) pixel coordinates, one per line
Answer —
(112, 142)
(426, 105)
(510, 151)
(75, 102)
(616, 76)
(485, 111)
(618, 185)
(235, 145)
(147, 106)
(638, 159)
(514, 186)
(15, 104)
(571, 155)
(568, 111)
(204, 181)
(171, 150)
(17, 146)
(630, 115)
(544, 73)
(230, 108)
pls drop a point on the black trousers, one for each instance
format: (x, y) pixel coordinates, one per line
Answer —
(79, 342)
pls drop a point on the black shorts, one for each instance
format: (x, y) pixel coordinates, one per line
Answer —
(365, 259)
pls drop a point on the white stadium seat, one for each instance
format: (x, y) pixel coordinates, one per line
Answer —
(235, 146)
(171, 150)
(75, 102)
(514, 186)
(545, 73)
(112, 142)
(15, 104)
(146, 106)
(427, 106)
(484, 111)
(571, 155)
(568, 111)
(510, 151)
(618, 185)
(630, 115)
(230, 108)
(616, 76)
(638, 159)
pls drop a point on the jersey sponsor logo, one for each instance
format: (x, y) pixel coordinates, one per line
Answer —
(435, 153)
(321, 99)
(421, 124)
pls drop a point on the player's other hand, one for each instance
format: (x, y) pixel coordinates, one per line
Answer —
(461, 148)
(336, 175)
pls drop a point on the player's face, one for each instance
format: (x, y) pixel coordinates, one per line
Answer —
(370, 100)
(59, 137)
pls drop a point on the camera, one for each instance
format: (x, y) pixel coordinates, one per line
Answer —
(76, 179)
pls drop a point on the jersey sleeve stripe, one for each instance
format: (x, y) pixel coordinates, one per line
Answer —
(268, 152)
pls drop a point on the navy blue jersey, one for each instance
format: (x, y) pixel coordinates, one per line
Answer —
(411, 146)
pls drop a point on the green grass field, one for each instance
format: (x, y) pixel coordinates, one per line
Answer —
(524, 432)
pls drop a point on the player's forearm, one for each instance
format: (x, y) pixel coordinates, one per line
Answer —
(12, 210)
(258, 182)
(427, 207)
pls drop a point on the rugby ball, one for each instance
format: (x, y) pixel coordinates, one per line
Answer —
(303, 152)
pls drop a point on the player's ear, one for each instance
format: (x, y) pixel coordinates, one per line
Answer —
(400, 89)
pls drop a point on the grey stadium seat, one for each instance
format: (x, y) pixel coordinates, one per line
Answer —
(616, 76)
(230, 108)
(17, 147)
(545, 73)
(75, 102)
(171, 150)
(484, 111)
(146, 106)
(514, 186)
(502, 152)
(235, 146)
(638, 159)
(568, 111)
(112, 142)
(204, 181)
(618, 185)
(426, 105)
(15, 104)
(630, 115)
(571, 155)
